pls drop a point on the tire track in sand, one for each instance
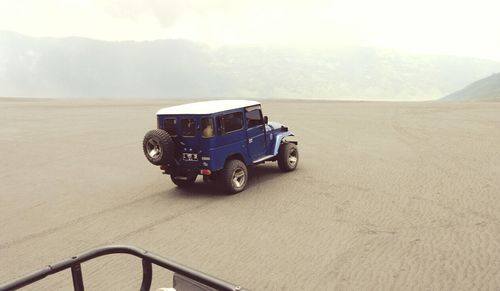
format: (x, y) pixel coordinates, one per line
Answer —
(96, 215)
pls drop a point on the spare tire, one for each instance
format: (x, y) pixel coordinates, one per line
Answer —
(158, 147)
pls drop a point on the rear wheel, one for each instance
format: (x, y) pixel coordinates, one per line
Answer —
(288, 157)
(183, 181)
(234, 176)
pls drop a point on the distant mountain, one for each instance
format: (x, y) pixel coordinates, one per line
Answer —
(85, 68)
(487, 89)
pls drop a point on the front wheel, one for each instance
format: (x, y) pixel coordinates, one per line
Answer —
(234, 176)
(288, 157)
(183, 181)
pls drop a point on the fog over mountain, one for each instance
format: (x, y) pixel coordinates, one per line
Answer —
(487, 89)
(85, 68)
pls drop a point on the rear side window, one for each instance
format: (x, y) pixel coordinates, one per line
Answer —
(170, 126)
(188, 127)
(254, 118)
(230, 122)
(207, 127)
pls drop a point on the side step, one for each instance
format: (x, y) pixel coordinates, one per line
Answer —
(263, 159)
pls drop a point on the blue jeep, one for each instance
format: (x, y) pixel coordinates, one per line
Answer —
(218, 139)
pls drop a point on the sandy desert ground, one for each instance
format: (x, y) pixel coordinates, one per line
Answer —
(388, 196)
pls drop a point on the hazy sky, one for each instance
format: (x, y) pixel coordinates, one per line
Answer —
(457, 27)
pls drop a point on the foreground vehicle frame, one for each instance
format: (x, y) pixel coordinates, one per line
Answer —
(187, 278)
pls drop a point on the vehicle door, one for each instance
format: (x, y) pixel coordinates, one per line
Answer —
(256, 133)
(189, 141)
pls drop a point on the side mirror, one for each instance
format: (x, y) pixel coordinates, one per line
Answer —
(266, 120)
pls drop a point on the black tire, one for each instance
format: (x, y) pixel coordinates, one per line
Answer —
(288, 157)
(183, 181)
(234, 177)
(158, 147)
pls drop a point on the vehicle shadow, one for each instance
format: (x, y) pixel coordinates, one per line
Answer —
(256, 174)
(263, 173)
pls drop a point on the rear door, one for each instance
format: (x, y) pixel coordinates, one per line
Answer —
(256, 133)
(189, 141)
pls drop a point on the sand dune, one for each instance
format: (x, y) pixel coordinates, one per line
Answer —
(387, 196)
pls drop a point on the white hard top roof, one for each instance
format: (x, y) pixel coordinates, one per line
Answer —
(206, 107)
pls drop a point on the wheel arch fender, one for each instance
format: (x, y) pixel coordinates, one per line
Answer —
(283, 137)
(235, 155)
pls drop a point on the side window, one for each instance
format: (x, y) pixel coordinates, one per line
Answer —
(170, 126)
(188, 127)
(207, 127)
(254, 118)
(230, 122)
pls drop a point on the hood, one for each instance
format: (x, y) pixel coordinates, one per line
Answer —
(277, 127)
(274, 124)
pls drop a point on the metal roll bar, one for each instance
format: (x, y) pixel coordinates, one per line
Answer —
(74, 263)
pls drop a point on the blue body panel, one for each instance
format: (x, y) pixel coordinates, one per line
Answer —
(248, 144)
(227, 145)
(256, 141)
